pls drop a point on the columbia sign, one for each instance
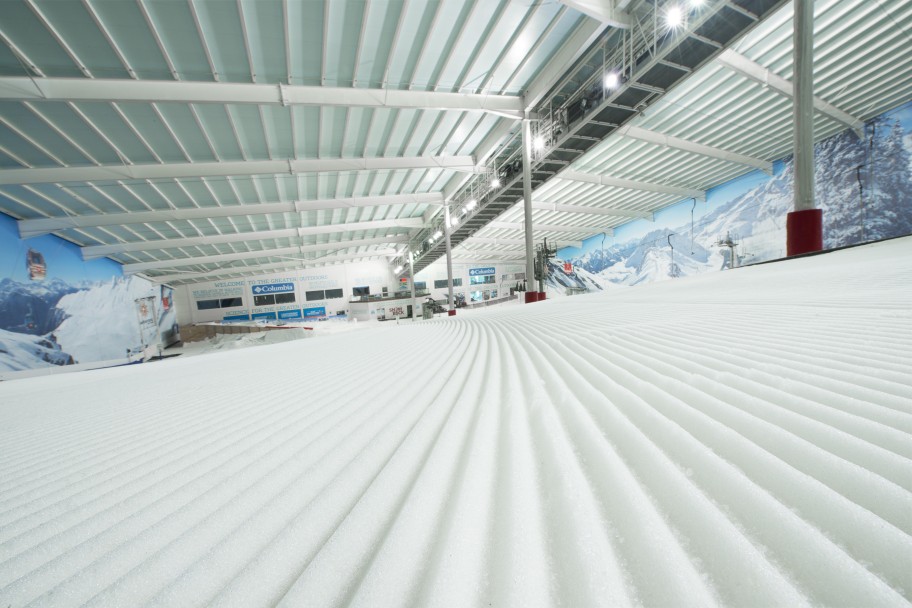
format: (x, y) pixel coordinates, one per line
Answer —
(273, 288)
(480, 272)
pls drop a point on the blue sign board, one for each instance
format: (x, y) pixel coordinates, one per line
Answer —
(315, 312)
(264, 315)
(480, 272)
(272, 288)
(230, 318)
(290, 314)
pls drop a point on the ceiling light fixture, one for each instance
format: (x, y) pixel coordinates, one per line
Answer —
(495, 183)
(612, 80)
(674, 17)
(398, 270)
(538, 143)
(437, 234)
(471, 204)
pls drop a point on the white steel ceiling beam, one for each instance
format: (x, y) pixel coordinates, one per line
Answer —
(539, 227)
(754, 71)
(264, 253)
(629, 184)
(484, 240)
(231, 168)
(545, 206)
(97, 251)
(35, 227)
(670, 141)
(605, 11)
(260, 269)
(156, 91)
(483, 255)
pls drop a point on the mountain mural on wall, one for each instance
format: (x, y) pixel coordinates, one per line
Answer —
(56, 323)
(864, 187)
(57, 309)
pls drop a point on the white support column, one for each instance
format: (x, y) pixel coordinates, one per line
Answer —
(804, 224)
(411, 262)
(527, 201)
(804, 104)
(449, 256)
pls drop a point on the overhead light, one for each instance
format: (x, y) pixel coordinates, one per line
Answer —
(453, 222)
(612, 80)
(538, 143)
(674, 17)
(431, 240)
(398, 270)
(495, 183)
(437, 234)
(471, 204)
(464, 210)
(696, 3)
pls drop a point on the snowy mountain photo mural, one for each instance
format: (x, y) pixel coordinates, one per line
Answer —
(56, 309)
(863, 186)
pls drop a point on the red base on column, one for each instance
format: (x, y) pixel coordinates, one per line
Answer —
(542, 296)
(804, 231)
(531, 296)
(451, 313)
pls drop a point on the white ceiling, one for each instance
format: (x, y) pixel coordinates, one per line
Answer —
(198, 138)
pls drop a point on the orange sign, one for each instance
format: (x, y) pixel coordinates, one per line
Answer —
(568, 267)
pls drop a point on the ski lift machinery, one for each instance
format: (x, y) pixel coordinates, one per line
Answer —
(729, 242)
(543, 253)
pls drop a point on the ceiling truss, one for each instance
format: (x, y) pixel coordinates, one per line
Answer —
(263, 253)
(36, 227)
(231, 168)
(160, 91)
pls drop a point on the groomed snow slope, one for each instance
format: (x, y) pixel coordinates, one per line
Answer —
(741, 439)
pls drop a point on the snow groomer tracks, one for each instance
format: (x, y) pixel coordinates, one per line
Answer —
(735, 439)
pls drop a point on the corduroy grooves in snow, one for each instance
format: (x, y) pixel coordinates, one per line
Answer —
(740, 438)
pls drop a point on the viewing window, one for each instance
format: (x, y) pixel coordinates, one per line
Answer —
(207, 304)
(333, 293)
(489, 278)
(314, 295)
(231, 302)
(285, 298)
(361, 291)
(442, 283)
(266, 300)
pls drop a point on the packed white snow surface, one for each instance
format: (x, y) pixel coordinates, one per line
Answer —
(235, 341)
(741, 438)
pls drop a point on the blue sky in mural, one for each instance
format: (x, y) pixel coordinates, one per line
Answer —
(63, 259)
